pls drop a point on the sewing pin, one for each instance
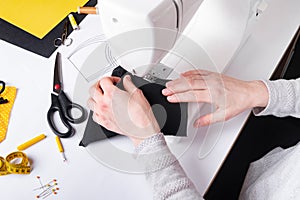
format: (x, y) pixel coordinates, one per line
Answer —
(39, 178)
(53, 191)
(46, 192)
(46, 185)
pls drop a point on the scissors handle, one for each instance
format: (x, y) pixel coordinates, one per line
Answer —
(67, 106)
(56, 107)
(62, 41)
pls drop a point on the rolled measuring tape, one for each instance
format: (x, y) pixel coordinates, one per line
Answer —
(8, 167)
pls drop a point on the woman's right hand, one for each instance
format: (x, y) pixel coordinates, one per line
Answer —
(230, 96)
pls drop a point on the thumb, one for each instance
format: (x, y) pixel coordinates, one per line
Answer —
(217, 116)
(128, 85)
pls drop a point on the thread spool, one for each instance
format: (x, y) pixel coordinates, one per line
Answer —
(73, 22)
(87, 10)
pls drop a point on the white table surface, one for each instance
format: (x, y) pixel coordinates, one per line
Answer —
(82, 177)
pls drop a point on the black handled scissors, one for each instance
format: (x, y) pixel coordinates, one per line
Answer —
(62, 105)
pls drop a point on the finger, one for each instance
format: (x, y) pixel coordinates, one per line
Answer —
(91, 104)
(197, 71)
(182, 84)
(211, 118)
(178, 85)
(107, 84)
(115, 79)
(95, 118)
(100, 119)
(201, 96)
(95, 89)
(167, 92)
(203, 121)
(206, 77)
(128, 85)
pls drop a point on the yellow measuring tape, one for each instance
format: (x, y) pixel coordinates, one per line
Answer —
(8, 167)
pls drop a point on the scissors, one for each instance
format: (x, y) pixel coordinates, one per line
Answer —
(61, 104)
(63, 40)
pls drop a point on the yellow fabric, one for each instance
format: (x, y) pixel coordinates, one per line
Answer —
(37, 17)
(9, 94)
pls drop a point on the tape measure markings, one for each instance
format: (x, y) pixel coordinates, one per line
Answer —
(7, 167)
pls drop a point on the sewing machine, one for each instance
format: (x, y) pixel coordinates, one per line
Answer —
(163, 38)
(160, 39)
(163, 35)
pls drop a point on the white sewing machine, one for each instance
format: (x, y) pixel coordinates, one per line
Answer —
(144, 33)
(162, 38)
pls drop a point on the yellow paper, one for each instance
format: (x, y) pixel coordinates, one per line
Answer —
(37, 17)
(5, 109)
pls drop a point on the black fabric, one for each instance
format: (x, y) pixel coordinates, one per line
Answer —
(25, 40)
(94, 132)
(171, 117)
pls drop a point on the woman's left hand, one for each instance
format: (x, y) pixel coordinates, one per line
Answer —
(125, 112)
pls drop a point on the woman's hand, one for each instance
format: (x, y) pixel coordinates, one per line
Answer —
(230, 96)
(125, 112)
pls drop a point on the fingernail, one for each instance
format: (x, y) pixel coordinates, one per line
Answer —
(168, 84)
(171, 98)
(166, 92)
(128, 77)
(197, 124)
(200, 123)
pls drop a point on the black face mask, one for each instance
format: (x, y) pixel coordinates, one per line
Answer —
(171, 117)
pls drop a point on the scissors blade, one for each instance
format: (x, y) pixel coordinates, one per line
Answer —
(57, 82)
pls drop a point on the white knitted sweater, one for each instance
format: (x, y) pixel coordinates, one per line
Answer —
(275, 176)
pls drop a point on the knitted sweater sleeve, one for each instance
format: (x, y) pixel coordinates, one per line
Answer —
(276, 175)
(284, 99)
(163, 171)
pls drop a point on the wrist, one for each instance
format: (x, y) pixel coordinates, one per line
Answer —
(148, 144)
(259, 94)
(137, 141)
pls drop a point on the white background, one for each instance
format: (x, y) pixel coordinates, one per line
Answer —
(82, 177)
